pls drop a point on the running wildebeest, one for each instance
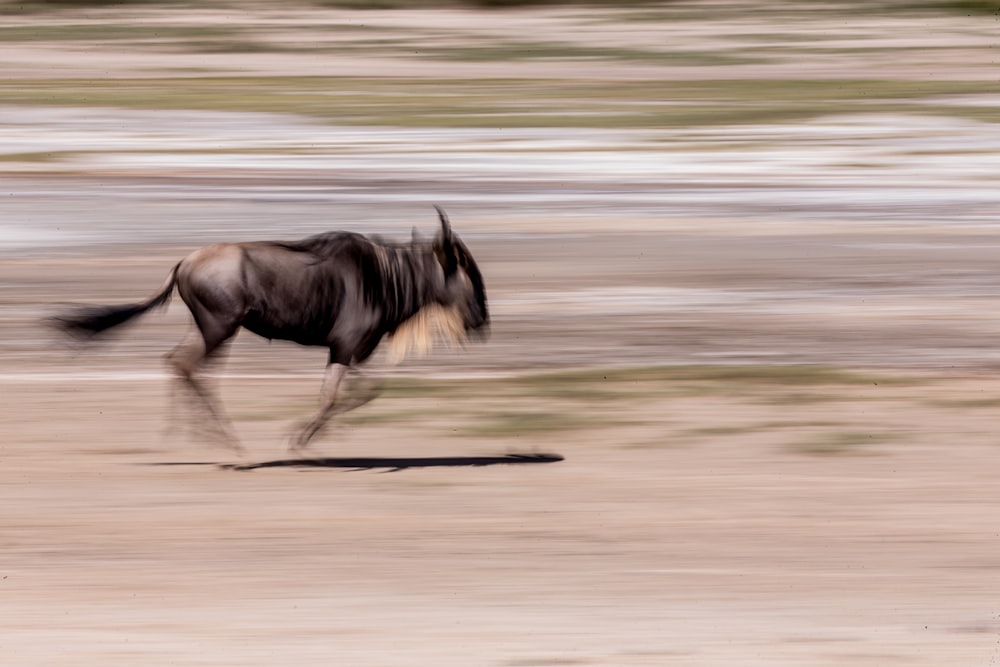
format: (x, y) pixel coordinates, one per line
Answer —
(338, 290)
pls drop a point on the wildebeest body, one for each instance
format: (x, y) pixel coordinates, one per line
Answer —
(339, 290)
(279, 291)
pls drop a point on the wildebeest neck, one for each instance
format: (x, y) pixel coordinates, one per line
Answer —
(405, 282)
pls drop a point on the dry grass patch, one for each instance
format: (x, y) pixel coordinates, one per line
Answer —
(515, 103)
(841, 443)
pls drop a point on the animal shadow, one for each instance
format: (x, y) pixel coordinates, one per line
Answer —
(395, 464)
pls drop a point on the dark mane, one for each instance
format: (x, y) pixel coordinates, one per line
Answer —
(328, 244)
(324, 244)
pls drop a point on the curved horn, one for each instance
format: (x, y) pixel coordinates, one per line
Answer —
(445, 245)
(445, 225)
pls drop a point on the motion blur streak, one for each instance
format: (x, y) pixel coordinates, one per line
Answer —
(742, 270)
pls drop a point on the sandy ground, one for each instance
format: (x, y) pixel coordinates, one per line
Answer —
(750, 507)
(766, 524)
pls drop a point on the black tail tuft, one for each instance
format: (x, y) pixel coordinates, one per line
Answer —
(85, 322)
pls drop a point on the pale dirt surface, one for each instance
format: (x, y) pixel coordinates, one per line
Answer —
(711, 522)
(765, 527)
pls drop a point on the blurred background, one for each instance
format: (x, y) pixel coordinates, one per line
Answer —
(644, 182)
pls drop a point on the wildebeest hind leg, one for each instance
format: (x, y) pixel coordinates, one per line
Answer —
(187, 360)
(181, 402)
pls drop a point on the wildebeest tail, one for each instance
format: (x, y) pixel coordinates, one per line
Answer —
(86, 322)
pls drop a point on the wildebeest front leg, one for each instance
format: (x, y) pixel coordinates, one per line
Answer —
(328, 405)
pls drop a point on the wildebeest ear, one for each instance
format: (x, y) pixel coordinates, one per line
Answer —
(415, 236)
(444, 248)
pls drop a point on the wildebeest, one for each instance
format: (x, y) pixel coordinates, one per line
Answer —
(338, 290)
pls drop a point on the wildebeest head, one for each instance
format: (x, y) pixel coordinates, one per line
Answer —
(454, 306)
(463, 288)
